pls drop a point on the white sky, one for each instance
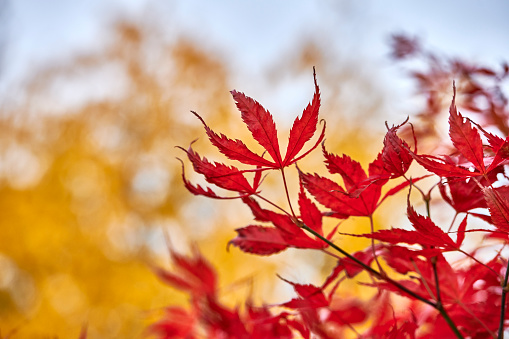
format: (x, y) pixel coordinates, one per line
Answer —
(253, 33)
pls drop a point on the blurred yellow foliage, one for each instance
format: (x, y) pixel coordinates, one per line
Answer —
(88, 191)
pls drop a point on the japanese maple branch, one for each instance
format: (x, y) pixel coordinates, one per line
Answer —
(381, 276)
(505, 288)
(367, 267)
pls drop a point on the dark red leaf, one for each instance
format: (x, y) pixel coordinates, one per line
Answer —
(360, 202)
(395, 155)
(221, 321)
(403, 259)
(266, 325)
(465, 138)
(426, 233)
(498, 204)
(501, 153)
(499, 147)
(259, 240)
(462, 194)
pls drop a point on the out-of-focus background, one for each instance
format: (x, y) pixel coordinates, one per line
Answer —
(94, 97)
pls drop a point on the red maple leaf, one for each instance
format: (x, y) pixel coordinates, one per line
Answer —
(260, 123)
(363, 191)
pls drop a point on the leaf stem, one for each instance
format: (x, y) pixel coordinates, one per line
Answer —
(287, 194)
(449, 321)
(371, 224)
(437, 282)
(424, 282)
(479, 262)
(273, 204)
(452, 222)
(502, 307)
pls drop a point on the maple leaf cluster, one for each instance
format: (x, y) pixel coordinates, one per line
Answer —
(465, 299)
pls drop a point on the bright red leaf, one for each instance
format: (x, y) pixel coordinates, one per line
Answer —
(234, 149)
(362, 194)
(269, 240)
(226, 177)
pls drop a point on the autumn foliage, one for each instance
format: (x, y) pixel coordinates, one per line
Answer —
(427, 279)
